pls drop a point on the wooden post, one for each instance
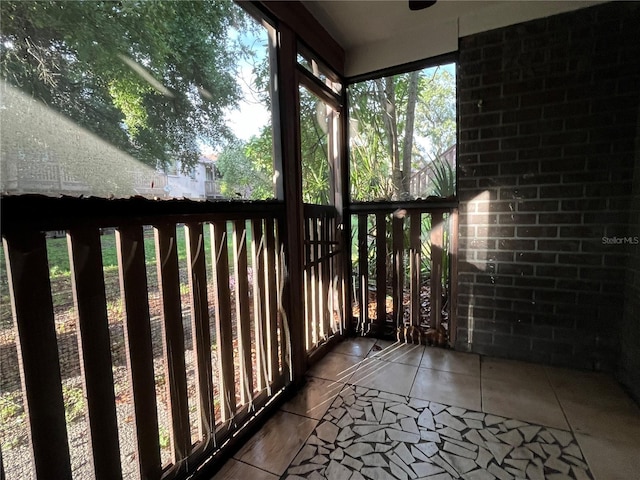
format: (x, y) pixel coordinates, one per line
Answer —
(258, 254)
(453, 276)
(87, 284)
(436, 269)
(32, 308)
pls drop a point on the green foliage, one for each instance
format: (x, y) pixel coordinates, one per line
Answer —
(12, 420)
(153, 78)
(246, 168)
(443, 178)
(74, 403)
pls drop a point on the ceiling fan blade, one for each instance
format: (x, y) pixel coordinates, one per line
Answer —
(420, 4)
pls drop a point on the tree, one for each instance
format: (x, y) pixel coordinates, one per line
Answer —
(388, 116)
(152, 78)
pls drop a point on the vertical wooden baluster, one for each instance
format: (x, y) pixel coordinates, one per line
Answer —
(308, 282)
(414, 259)
(173, 339)
(453, 276)
(243, 320)
(224, 331)
(363, 272)
(94, 348)
(398, 266)
(139, 351)
(272, 298)
(436, 269)
(318, 280)
(381, 271)
(313, 279)
(32, 308)
(196, 266)
(259, 303)
(326, 275)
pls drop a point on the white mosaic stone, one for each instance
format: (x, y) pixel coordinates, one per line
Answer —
(467, 445)
(499, 472)
(319, 459)
(474, 437)
(409, 424)
(425, 419)
(492, 420)
(357, 476)
(483, 458)
(418, 403)
(345, 421)
(376, 473)
(401, 436)
(534, 472)
(521, 453)
(557, 464)
(355, 413)
(307, 452)
(546, 436)
(440, 476)
(457, 450)
(403, 452)
(327, 431)
(374, 437)
(572, 450)
(382, 447)
(558, 476)
(345, 434)
(456, 411)
(477, 424)
(397, 472)
(575, 461)
(425, 469)
(488, 436)
(436, 408)
(517, 464)
(536, 449)
(511, 424)
(378, 410)
(529, 432)
(442, 463)
(316, 476)
(564, 438)
(461, 464)
(512, 437)
(393, 397)
(498, 450)
(418, 455)
(358, 450)
(388, 417)
(449, 432)
(336, 471)
(479, 475)
(337, 454)
(353, 463)
(403, 409)
(398, 461)
(429, 449)
(367, 429)
(552, 450)
(474, 415)
(374, 460)
(430, 436)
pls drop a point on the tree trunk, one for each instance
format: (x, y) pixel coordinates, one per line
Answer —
(407, 148)
(387, 99)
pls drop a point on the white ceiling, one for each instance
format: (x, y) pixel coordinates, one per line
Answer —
(381, 33)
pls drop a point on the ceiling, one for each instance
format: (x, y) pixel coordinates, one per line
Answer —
(378, 34)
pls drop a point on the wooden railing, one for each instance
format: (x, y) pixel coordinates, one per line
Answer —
(405, 260)
(214, 353)
(323, 280)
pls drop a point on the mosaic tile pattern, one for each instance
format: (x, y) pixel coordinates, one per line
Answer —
(369, 434)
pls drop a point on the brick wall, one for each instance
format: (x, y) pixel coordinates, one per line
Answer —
(548, 112)
(629, 366)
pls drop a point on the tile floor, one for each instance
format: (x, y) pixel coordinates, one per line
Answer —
(383, 410)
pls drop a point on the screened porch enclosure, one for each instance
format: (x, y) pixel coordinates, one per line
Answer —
(145, 335)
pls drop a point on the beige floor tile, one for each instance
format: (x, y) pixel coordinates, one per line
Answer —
(315, 398)
(336, 367)
(450, 361)
(277, 443)
(407, 353)
(358, 347)
(387, 376)
(234, 470)
(613, 422)
(449, 388)
(536, 403)
(590, 388)
(610, 460)
(512, 370)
